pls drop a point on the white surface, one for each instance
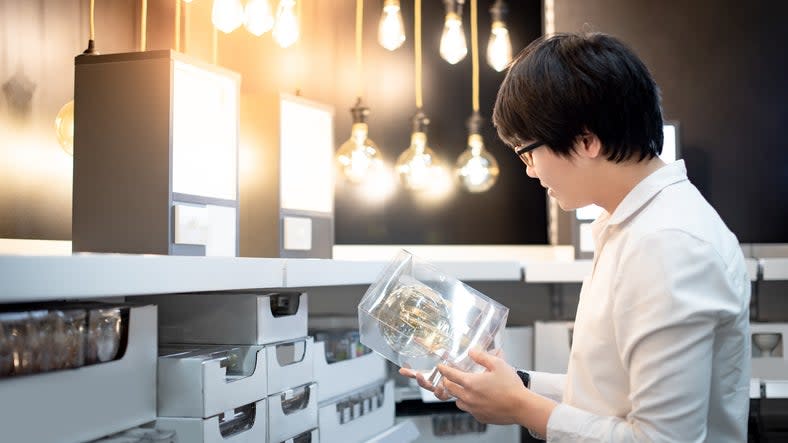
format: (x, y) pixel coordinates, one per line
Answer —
(404, 432)
(282, 426)
(553, 272)
(306, 155)
(320, 272)
(298, 233)
(17, 246)
(88, 402)
(284, 375)
(551, 346)
(34, 278)
(193, 387)
(755, 388)
(518, 346)
(776, 366)
(344, 376)
(209, 225)
(198, 430)
(493, 433)
(361, 428)
(470, 253)
(774, 268)
(752, 268)
(775, 389)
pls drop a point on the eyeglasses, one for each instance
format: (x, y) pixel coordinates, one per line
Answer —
(524, 152)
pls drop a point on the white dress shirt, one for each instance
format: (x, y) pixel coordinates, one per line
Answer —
(661, 347)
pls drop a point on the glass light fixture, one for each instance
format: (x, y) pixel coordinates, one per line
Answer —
(476, 167)
(391, 31)
(286, 29)
(417, 167)
(499, 48)
(258, 18)
(379, 184)
(453, 46)
(64, 127)
(227, 15)
(358, 155)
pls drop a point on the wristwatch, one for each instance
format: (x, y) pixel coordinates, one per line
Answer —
(525, 377)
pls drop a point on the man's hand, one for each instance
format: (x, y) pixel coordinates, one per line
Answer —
(439, 391)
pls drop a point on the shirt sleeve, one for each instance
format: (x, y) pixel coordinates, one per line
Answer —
(670, 294)
(548, 385)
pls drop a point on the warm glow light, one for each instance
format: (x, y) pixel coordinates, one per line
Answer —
(64, 127)
(286, 29)
(379, 184)
(357, 155)
(499, 49)
(227, 15)
(477, 168)
(391, 31)
(258, 18)
(416, 166)
(453, 45)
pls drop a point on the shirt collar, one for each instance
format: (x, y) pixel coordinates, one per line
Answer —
(645, 190)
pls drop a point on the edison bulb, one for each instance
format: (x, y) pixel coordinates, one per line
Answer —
(286, 29)
(227, 15)
(453, 45)
(379, 184)
(415, 320)
(477, 168)
(358, 154)
(499, 49)
(258, 18)
(417, 166)
(391, 31)
(64, 127)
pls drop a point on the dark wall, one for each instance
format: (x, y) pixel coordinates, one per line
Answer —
(722, 66)
(512, 212)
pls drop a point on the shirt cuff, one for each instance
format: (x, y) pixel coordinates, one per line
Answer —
(566, 424)
(548, 385)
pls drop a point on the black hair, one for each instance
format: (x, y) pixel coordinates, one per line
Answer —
(560, 86)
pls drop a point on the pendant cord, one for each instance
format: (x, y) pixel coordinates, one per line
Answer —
(475, 54)
(417, 51)
(143, 25)
(177, 25)
(92, 21)
(359, 32)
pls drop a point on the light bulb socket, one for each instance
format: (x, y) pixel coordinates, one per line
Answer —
(454, 7)
(420, 122)
(498, 11)
(474, 123)
(91, 50)
(359, 112)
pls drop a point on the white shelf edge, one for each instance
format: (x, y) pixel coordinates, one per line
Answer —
(552, 272)
(774, 268)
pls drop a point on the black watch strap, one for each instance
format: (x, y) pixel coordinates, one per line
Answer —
(526, 378)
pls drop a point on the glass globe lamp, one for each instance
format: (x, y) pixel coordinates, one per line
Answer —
(476, 167)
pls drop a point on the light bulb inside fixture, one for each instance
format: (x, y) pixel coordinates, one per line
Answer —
(379, 184)
(227, 15)
(453, 45)
(358, 154)
(64, 127)
(417, 166)
(499, 48)
(476, 167)
(258, 18)
(391, 31)
(286, 29)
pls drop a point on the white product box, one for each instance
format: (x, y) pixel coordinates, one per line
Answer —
(192, 384)
(518, 346)
(775, 365)
(428, 427)
(234, 318)
(551, 346)
(362, 427)
(402, 432)
(88, 402)
(344, 376)
(290, 364)
(248, 426)
(292, 412)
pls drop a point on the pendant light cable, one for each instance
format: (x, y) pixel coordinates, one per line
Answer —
(177, 25)
(359, 31)
(417, 51)
(92, 38)
(475, 54)
(143, 25)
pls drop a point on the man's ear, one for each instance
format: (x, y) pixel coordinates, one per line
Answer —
(588, 145)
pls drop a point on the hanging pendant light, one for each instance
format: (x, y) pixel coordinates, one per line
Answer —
(286, 28)
(391, 30)
(227, 15)
(499, 47)
(453, 47)
(476, 167)
(258, 18)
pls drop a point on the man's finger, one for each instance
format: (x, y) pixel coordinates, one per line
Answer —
(455, 375)
(454, 389)
(441, 393)
(461, 405)
(489, 361)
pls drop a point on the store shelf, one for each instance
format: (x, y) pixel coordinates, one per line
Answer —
(37, 278)
(557, 272)
(774, 268)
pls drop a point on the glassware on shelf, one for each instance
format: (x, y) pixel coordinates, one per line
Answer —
(237, 421)
(104, 333)
(70, 338)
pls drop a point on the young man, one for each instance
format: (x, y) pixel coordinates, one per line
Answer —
(661, 348)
